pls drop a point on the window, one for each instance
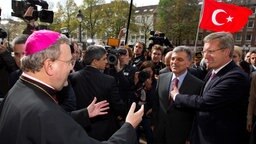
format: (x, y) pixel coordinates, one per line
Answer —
(238, 37)
(250, 24)
(138, 19)
(142, 37)
(253, 9)
(133, 37)
(248, 37)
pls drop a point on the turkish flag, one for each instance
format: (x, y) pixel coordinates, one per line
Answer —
(219, 16)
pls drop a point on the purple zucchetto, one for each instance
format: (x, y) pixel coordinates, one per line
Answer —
(40, 40)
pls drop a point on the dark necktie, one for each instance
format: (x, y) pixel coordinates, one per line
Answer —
(175, 82)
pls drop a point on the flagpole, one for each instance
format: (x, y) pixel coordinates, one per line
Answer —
(197, 32)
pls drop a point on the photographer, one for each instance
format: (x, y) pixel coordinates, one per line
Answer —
(159, 38)
(124, 75)
(31, 24)
(28, 11)
(144, 95)
(6, 60)
(7, 63)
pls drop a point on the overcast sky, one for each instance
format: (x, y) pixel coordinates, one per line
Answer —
(6, 4)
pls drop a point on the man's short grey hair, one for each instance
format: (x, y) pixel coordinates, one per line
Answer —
(35, 62)
(225, 39)
(93, 52)
(185, 49)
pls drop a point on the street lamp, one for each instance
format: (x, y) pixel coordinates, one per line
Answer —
(80, 19)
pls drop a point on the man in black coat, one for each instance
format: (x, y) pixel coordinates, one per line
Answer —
(222, 106)
(30, 113)
(91, 82)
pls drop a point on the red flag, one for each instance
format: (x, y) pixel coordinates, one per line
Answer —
(219, 16)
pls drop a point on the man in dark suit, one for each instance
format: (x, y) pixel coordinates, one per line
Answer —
(253, 60)
(91, 82)
(222, 106)
(167, 59)
(30, 113)
(173, 125)
(7, 65)
(66, 97)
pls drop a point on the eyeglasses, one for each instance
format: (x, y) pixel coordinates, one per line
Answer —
(69, 62)
(210, 51)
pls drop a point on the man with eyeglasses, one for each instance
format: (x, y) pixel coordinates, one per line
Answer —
(30, 112)
(66, 96)
(222, 105)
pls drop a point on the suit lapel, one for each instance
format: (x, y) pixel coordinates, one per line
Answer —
(164, 85)
(222, 72)
(185, 84)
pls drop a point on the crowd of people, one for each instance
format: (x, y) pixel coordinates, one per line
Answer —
(59, 94)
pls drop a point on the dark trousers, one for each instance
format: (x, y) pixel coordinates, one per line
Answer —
(145, 126)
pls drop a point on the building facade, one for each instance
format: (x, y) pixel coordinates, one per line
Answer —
(145, 18)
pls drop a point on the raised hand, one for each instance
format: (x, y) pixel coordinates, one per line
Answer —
(134, 118)
(99, 108)
(29, 12)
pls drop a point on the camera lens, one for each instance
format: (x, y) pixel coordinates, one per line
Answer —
(112, 59)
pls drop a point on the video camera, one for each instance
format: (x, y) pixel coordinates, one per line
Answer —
(159, 38)
(3, 35)
(113, 55)
(19, 8)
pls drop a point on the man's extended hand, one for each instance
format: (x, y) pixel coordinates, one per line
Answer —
(95, 109)
(134, 118)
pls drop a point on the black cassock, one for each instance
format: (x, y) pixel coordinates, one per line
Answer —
(30, 116)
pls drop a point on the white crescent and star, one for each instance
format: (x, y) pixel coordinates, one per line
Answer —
(214, 15)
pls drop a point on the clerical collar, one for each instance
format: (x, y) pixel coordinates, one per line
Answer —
(35, 79)
(39, 84)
